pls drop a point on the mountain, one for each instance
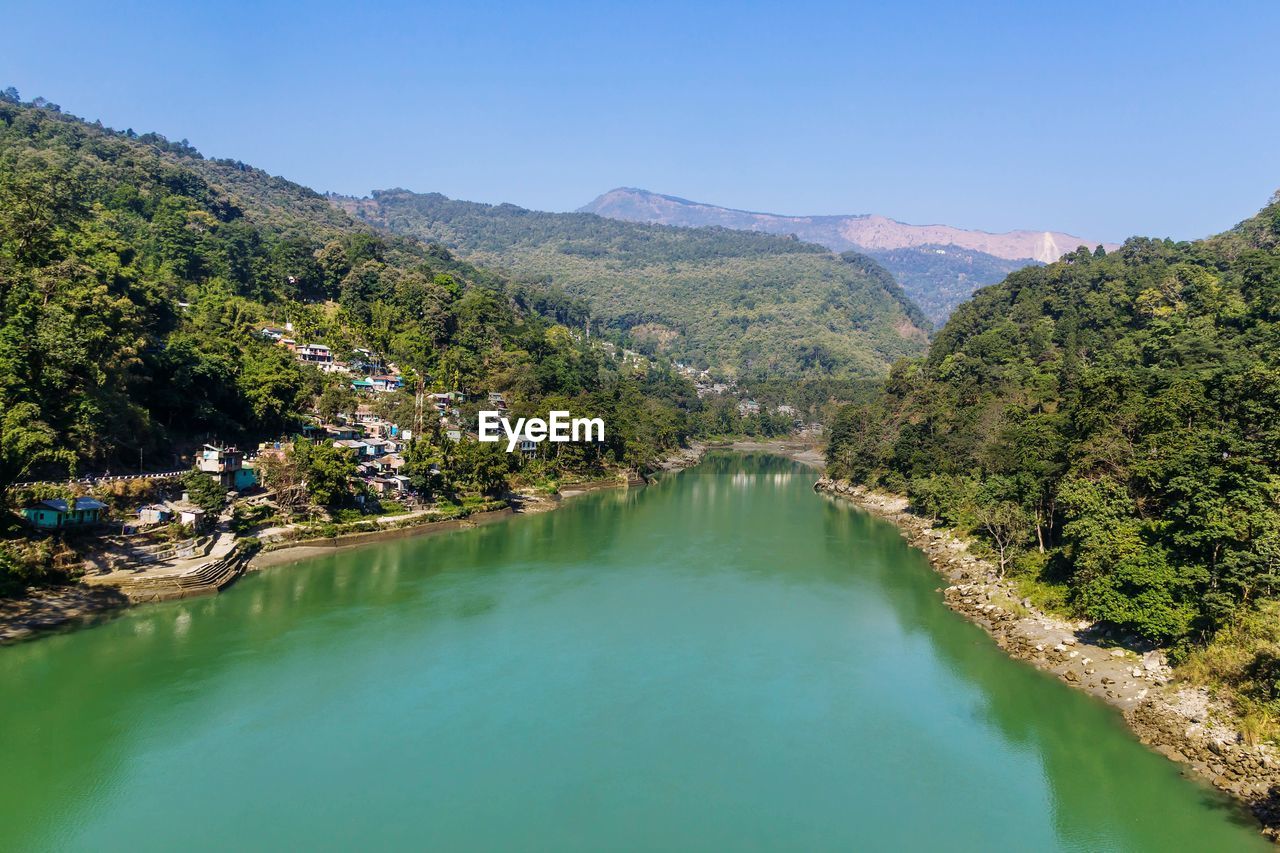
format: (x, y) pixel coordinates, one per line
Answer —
(938, 277)
(913, 253)
(1108, 425)
(136, 275)
(749, 305)
(865, 232)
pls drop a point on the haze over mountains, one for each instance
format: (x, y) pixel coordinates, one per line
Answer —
(938, 266)
(861, 232)
(748, 304)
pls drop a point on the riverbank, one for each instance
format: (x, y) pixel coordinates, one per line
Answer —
(1182, 723)
(44, 611)
(528, 503)
(804, 452)
(286, 551)
(293, 551)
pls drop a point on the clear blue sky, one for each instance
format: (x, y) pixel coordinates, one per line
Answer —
(1102, 119)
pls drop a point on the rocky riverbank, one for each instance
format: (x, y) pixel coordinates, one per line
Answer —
(44, 610)
(1181, 722)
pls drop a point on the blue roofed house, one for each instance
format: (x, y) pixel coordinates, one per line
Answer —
(57, 514)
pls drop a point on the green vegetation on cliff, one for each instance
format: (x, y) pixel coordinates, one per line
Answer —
(1110, 424)
(746, 304)
(135, 275)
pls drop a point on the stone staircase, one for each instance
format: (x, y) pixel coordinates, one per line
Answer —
(138, 550)
(204, 579)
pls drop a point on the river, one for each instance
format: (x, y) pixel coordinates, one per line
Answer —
(721, 661)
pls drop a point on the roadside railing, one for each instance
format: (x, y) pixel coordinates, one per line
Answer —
(93, 480)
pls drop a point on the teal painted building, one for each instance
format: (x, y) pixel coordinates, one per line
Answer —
(58, 514)
(244, 478)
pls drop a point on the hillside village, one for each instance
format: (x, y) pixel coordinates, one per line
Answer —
(132, 531)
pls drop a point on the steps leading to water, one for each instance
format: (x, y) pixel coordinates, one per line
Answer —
(204, 579)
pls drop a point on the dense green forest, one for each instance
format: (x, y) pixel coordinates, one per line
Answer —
(745, 304)
(135, 275)
(939, 278)
(1110, 425)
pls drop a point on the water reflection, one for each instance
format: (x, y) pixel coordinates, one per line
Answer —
(1049, 722)
(692, 633)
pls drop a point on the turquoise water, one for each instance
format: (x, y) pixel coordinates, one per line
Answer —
(723, 661)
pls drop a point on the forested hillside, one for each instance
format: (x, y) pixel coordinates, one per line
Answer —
(749, 305)
(135, 276)
(938, 266)
(1110, 425)
(939, 278)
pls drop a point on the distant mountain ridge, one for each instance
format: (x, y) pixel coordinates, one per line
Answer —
(862, 232)
(747, 304)
(938, 266)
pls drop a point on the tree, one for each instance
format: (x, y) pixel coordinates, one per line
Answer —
(25, 442)
(335, 400)
(1005, 524)
(281, 473)
(205, 492)
(329, 471)
(273, 386)
(423, 460)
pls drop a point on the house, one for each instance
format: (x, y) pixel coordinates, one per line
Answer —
(361, 385)
(272, 333)
(227, 464)
(219, 460)
(391, 462)
(394, 484)
(377, 447)
(528, 447)
(748, 407)
(246, 477)
(453, 434)
(56, 514)
(367, 361)
(155, 514)
(343, 432)
(386, 383)
(190, 515)
(359, 448)
(377, 428)
(314, 353)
